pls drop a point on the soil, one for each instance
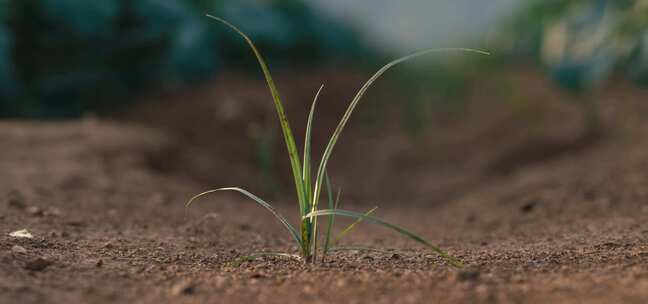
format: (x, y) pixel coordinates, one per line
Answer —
(104, 201)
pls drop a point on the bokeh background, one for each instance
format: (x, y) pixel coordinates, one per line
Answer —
(562, 76)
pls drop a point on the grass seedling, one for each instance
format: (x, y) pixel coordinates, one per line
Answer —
(309, 190)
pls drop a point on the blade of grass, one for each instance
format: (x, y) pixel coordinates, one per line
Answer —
(308, 227)
(304, 205)
(259, 201)
(315, 226)
(350, 227)
(345, 118)
(307, 151)
(283, 119)
(332, 216)
(450, 259)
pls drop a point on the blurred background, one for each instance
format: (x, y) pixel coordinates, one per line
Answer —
(563, 77)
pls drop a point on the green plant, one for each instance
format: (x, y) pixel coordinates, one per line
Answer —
(308, 193)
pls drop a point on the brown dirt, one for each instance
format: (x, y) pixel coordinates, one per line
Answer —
(104, 201)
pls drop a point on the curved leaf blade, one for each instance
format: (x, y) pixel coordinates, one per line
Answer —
(309, 228)
(259, 201)
(450, 259)
(345, 118)
(348, 229)
(283, 119)
(307, 152)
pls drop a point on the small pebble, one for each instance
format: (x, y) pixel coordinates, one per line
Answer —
(24, 233)
(18, 249)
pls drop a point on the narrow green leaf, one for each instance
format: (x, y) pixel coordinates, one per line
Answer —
(331, 217)
(283, 119)
(450, 259)
(307, 154)
(259, 201)
(345, 118)
(353, 225)
(306, 234)
(314, 240)
(315, 235)
(309, 228)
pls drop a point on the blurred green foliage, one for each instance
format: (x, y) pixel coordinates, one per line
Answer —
(62, 58)
(7, 82)
(582, 42)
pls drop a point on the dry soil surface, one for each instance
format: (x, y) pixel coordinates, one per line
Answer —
(109, 226)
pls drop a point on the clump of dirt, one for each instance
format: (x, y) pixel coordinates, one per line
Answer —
(104, 201)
